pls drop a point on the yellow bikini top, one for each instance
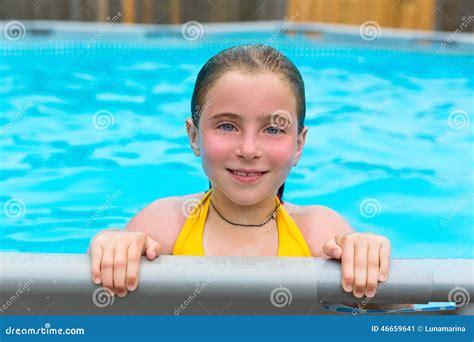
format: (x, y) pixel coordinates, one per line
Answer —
(190, 241)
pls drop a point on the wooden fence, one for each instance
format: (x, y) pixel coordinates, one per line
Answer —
(444, 15)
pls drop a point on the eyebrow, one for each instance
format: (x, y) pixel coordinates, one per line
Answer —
(262, 117)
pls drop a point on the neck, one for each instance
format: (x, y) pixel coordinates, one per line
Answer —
(243, 214)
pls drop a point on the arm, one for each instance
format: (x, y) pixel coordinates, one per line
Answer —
(161, 220)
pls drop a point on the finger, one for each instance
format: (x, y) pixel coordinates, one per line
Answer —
(347, 265)
(332, 249)
(133, 265)
(96, 256)
(360, 268)
(373, 263)
(120, 268)
(385, 249)
(152, 248)
(106, 267)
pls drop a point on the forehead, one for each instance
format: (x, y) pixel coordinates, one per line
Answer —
(250, 94)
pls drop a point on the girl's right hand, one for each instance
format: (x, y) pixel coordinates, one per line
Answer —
(116, 257)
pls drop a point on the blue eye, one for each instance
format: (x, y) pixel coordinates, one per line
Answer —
(227, 127)
(274, 130)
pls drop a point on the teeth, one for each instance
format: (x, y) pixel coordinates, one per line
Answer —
(246, 174)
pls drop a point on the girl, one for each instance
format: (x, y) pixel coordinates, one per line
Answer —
(247, 126)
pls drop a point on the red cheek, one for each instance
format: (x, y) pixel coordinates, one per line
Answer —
(281, 153)
(216, 146)
(219, 148)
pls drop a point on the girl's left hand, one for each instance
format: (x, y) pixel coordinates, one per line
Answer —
(365, 260)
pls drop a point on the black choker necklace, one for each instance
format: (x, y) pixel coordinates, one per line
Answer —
(272, 216)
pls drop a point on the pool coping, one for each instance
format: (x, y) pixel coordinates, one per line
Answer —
(446, 42)
(61, 284)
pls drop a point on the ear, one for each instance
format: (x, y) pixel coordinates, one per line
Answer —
(192, 131)
(300, 144)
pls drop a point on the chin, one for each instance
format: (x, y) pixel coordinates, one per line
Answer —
(250, 196)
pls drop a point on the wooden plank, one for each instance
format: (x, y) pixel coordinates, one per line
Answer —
(330, 11)
(316, 10)
(393, 8)
(102, 10)
(408, 15)
(148, 11)
(217, 11)
(345, 13)
(175, 12)
(291, 8)
(380, 13)
(128, 10)
(427, 15)
(304, 10)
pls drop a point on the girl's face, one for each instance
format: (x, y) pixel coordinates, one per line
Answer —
(248, 135)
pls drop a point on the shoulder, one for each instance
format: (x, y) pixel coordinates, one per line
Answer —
(318, 224)
(310, 216)
(164, 218)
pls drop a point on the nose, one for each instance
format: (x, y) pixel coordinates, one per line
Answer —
(249, 147)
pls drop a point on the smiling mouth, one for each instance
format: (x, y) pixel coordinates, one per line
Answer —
(247, 174)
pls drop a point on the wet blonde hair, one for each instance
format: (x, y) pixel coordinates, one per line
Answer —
(248, 58)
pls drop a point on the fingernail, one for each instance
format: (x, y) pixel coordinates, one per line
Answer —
(152, 254)
(348, 288)
(382, 277)
(97, 280)
(358, 294)
(370, 293)
(132, 286)
(121, 293)
(337, 253)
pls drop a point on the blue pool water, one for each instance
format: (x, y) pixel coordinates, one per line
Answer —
(92, 134)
